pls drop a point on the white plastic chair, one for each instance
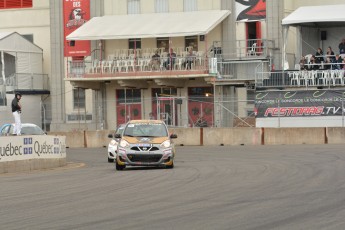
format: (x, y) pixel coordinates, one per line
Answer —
(107, 66)
(252, 50)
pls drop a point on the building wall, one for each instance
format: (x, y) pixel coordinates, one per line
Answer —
(33, 21)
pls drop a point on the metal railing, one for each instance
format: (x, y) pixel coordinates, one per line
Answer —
(138, 66)
(300, 79)
(27, 81)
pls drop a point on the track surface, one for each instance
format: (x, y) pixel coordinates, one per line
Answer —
(221, 187)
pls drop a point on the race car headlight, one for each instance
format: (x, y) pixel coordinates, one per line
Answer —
(166, 144)
(113, 143)
(124, 144)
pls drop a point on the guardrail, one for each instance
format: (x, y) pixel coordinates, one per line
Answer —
(301, 79)
(124, 67)
(27, 81)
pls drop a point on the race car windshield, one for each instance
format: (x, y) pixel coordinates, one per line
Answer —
(146, 130)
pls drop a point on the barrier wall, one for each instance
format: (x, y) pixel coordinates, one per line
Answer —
(26, 153)
(234, 136)
(293, 136)
(225, 136)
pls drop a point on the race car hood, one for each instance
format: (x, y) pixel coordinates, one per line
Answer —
(149, 140)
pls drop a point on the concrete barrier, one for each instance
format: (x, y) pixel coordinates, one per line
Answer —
(231, 136)
(186, 136)
(74, 139)
(335, 135)
(226, 136)
(288, 136)
(97, 138)
(26, 153)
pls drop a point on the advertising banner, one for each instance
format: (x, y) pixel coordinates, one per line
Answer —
(250, 10)
(76, 13)
(308, 103)
(32, 147)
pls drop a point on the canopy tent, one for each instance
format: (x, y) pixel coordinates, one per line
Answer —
(175, 24)
(322, 16)
(318, 16)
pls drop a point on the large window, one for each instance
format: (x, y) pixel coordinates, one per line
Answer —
(133, 6)
(79, 98)
(190, 5)
(10, 4)
(161, 6)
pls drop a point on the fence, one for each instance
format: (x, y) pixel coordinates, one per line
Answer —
(175, 111)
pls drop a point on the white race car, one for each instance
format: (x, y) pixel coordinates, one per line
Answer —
(112, 146)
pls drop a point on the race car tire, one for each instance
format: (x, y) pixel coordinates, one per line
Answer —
(119, 167)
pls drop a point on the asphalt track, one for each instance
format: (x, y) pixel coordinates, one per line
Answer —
(221, 187)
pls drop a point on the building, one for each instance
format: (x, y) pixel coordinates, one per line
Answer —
(110, 77)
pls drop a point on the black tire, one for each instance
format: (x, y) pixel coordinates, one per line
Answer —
(119, 167)
(110, 160)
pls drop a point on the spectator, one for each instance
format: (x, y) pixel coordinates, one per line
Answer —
(330, 54)
(189, 59)
(155, 61)
(342, 46)
(328, 63)
(16, 111)
(302, 63)
(312, 64)
(171, 59)
(319, 56)
(337, 62)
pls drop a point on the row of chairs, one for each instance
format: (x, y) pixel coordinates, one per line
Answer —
(317, 77)
(142, 64)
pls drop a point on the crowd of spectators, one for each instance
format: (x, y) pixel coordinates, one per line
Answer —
(329, 61)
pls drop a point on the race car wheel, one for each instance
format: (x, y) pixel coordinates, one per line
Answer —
(110, 160)
(119, 167)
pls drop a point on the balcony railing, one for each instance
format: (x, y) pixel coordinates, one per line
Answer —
(28, 82)
(245, 49)
(301, 79)
(132, 66)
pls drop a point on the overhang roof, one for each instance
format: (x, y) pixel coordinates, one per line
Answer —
(174, 24)
(319, 16)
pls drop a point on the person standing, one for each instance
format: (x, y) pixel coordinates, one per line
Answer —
(16, 111)
(342, 46)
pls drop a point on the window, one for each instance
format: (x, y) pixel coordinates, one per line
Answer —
(163, 43)
(192, 41)
(132, 96)
(79, 98)
(200, 93)
(161, 6)
(190, 5)
(10, 4)
(134, 43)
(133, 6)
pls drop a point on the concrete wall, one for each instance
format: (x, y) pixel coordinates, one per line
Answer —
(222, 136)
(30, 165)
(31, 152)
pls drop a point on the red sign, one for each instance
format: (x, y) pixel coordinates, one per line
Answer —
(76, 13)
